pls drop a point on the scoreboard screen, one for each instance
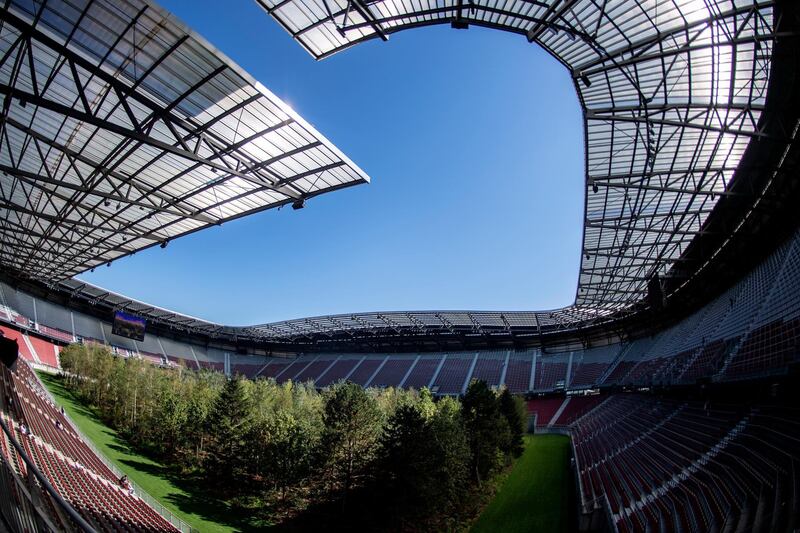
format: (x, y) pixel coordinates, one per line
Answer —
(130, 326)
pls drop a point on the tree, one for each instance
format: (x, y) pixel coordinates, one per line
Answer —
(285, 446)
(352, 426)
(486, 429)
(513, 409)
(452, 456)
(202, 390)
(274, 441)
(425, 459)
(406, 460)
(228, 427)
(169, 420)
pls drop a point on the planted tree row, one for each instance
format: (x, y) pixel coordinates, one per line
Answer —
(392, 458)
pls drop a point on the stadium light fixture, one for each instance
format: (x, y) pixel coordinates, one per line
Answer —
(300, 203)
(164, 244)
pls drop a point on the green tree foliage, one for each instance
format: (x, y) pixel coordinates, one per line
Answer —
(285, 447)
(487, 430)
(451, 448)
(228, 427)
(406, 458)
(291, 447)
(514, 410)
(352, 428)
(199, 396)
(425, 459)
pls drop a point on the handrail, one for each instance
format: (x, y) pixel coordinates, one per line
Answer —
(141, 493)
(77, 518)
(612, 524)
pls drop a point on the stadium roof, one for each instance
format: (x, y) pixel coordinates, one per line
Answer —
(122, 129)
(672, 93)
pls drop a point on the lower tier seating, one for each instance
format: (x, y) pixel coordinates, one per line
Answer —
(667, 465)
(78, 475)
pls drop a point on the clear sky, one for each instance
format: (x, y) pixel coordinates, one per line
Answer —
(474, 143)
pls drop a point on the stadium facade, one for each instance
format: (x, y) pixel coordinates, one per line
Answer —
(113, 142)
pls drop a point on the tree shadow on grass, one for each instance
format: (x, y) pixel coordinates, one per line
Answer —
(56, 386)
(190, 498)
(121, 446)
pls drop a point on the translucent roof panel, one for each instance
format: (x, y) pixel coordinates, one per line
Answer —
(410, 323)
(672, 93)
(122, 129)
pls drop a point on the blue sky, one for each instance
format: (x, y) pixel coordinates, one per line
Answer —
(474, 143)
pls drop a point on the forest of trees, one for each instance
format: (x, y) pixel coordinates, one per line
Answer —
(389, 459)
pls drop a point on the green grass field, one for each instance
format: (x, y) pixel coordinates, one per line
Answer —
(177, 495)
(535, 495)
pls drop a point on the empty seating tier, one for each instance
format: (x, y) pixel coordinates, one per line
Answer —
(674, 465)
(392, 373)
(79, 476)
(453, 375)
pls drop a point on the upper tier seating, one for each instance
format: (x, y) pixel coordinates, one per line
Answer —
(338, 371)
(489, 368)
(550, 374)
(313, 370)
(392, 373)
(422, 373)
(453, 374)
(364, 371)
(518, 373)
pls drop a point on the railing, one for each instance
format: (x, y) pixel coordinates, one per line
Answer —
(610, 522)
(144, 496)
(581, 495)
(586, 506)
(21, 505)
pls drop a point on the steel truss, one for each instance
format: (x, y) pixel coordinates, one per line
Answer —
(672, 91)
(120, 129)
